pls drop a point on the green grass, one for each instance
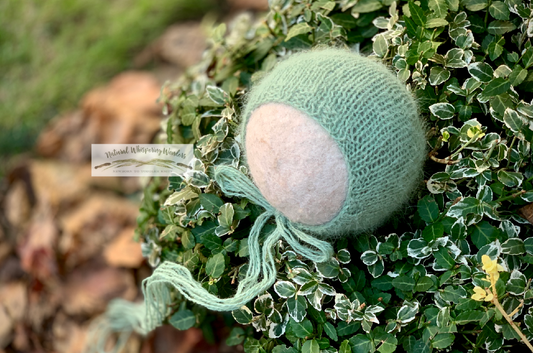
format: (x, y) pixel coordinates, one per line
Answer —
(54, 51)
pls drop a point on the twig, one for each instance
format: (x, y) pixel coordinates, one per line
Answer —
(448, 160)
(517, 308)
(508, 318)
(442, 160)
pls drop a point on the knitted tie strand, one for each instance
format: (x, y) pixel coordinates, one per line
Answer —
(124, 317)
(235, 183)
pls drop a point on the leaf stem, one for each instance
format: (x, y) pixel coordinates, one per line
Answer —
(501, 199)
(509, 151)
(487, 13)
(487, 156)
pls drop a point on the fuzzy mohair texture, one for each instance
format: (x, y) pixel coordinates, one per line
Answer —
(333, 140)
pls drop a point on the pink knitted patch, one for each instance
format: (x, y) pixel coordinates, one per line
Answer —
(296, 165)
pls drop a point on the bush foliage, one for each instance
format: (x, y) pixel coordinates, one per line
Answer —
(409, 286)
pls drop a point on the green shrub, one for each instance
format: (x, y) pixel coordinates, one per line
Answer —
(409, 285)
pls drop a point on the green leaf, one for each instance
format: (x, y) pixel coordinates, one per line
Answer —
(183, 319)
(343, 256)
(190, 260)
(407, 312)
(235, 337)
(387, 342)
(361, 344)
(439, 7)
(495, 48)
(211, 202)
(380, 45)
(469, 316)
(528, 245)
(512, 120)
(285, 289)
(475, 5)
(453, 4)
(345, 329)
(264, 304)
(283, 349)
(418, 248)
(517, 283)
(417, 14)
(187, 240)
(453, 294)
(433, 231)
(496, 86)
(207, 227)
(328, 269)
(188, 114)
(527, 58)
(513, 246)
(243, 248)
(369, 257)
(218, 32)
(428, 209)
(424, 284)
(243, 315)
(365, 6)
(481, 71)
(216, 94)
(345, 347)
(499, 10)
(225, 219)
(404, 283)
(345, 20)
(465, 207)
(444, 259)
(510, 179)
(296, 306)
(252, 345)
(301, 329)
(377, 269)
(226, 215)
(330, 331)
(442, 340)
(215, 265)
(483, 233)
(300, 28)
(438, 75)
(310, 347)
(518, 75)
(187, 193)
(211, 241)
(500, 27)
(443, 111)
(436, 22)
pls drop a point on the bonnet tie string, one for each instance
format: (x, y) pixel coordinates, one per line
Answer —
(157, 289)
(261, 261)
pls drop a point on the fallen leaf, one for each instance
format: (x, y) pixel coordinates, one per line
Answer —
(89, 288)
(90, 227)
(123, 251)
(14, 298)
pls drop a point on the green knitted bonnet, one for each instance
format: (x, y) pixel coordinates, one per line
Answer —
(374, 121)
(371, 116)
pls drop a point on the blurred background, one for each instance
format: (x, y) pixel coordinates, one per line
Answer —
(73, 73)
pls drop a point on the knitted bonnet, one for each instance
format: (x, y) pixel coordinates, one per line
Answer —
(371, 117)
(334, 145)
